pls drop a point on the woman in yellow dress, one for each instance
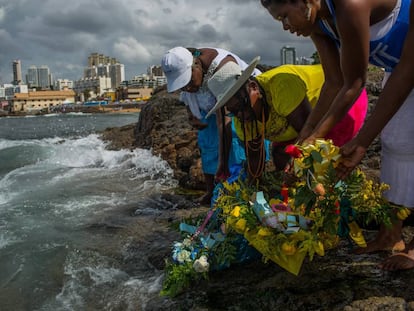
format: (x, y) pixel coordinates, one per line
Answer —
(275, 105)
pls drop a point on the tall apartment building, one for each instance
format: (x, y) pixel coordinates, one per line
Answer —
(63, 84)
(17, 72)
(100, 65)
(44, 77)
(32, 79)
(117, 74)
(287, 55)
(102, 70)
(39, 77)
(96, 59)
(155, 71)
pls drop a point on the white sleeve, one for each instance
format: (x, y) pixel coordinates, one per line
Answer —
(190, 100)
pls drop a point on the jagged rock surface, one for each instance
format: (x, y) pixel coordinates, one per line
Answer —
(163, 127)
(338, 281)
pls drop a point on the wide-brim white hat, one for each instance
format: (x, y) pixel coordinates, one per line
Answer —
(176, 64)
(228, 80)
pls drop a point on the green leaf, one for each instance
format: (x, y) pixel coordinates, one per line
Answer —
(316, 156)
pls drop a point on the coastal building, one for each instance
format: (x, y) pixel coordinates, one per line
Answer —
(62, 84)
(94, 86)
(11, 89)
(31, 77)
(145, 81)
(2, 92)
(133, 93)
(94, 59)
(17, 72)
(305, 61)
(41, 101)
(45, 79)
(155, 71)
(100, 65)
(117, 74)
(288, 55)
(39, 77)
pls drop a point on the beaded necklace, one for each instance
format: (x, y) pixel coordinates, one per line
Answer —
(256, 146)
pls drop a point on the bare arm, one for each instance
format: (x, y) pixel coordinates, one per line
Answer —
(225, 143)
(298, 116)
(395, 92)
(328, 53)
(225, 134)
(353, 27)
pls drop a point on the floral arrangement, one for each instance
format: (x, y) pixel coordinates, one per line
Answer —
(204, 248)
(283, 223)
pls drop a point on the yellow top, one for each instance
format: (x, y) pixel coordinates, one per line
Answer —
(285, 87)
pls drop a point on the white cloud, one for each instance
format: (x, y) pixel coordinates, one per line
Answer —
(132, 51)
(2, 14)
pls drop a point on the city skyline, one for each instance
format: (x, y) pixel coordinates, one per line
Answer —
(97, 65)
(62, 34)
(103, 65)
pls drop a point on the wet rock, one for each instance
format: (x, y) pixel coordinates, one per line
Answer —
(163, 127)
(340, 280)
(157, 204)
(119, 137)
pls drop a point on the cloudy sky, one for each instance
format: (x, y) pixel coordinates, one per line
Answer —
(61, 34)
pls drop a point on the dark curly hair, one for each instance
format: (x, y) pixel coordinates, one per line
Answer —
(267, 3)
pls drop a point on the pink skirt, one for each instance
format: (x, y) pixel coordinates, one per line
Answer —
(349, 126)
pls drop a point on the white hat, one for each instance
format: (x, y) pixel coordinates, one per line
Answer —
(176, 64)
(227, 81)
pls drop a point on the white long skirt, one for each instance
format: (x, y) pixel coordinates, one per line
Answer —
(397, 155)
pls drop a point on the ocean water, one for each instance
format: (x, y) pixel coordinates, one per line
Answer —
(56, 179)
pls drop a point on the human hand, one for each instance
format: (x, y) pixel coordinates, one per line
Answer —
(304, 135)
(196, 123)
(309, 140)
(289, 178)
(222, 173)
(352, 154)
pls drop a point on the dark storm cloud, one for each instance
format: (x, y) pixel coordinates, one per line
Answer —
(62, 34)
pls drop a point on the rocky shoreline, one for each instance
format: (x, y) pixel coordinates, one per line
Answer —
(339, 280)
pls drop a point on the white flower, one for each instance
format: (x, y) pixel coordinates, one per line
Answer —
(201, 264)
(183, 256)
(187, 242)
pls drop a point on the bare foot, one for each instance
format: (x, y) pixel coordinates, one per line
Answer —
(387, 239)
(381, 244)
(401, 261)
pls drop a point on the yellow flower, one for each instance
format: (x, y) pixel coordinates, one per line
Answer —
(403, 213)
(236, 211)
(319, 249)
(288, 248)
(263, 231)
(320, 168)
(240, 225)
